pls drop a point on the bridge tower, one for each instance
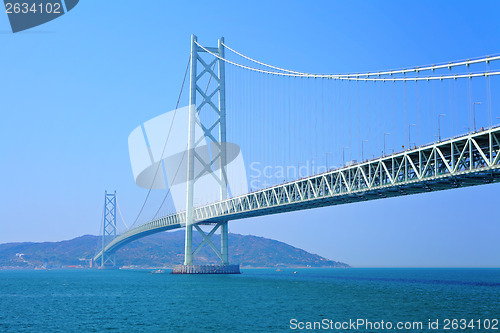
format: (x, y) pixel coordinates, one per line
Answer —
(201, 98)
(108, 229)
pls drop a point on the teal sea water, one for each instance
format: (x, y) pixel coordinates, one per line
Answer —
(259, 300)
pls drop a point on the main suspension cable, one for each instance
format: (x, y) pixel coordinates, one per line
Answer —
(367, 76)
(164, 146)
(183, 154)
(379, 73)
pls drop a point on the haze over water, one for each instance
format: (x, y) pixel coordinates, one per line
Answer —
(259, 300)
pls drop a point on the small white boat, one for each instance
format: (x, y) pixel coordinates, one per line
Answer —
(158, 271)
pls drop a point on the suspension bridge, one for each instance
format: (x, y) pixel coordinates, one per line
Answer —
(340, 117)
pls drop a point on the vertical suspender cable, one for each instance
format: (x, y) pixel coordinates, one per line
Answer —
(488, 95)
(450, 107)
(419, 131)
(349, 121)
(406, 115)
(469, 103)
(358, 138)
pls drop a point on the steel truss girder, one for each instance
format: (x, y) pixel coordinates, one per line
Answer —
(469, 160)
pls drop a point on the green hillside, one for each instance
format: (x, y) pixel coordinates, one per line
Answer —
(163, 249)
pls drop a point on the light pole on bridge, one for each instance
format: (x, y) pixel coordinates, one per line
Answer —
(439, 125)
(343, 154)
(385, 134)
(474, 114)
(362, 149)
(326, 158)
(409, 134)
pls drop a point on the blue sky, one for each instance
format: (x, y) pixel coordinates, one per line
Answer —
(73, 89)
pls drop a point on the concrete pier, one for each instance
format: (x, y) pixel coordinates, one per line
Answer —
(206, 269)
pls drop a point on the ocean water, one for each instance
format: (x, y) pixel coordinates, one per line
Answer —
(259, 300)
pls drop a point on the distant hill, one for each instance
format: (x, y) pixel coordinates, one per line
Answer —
(162, 249)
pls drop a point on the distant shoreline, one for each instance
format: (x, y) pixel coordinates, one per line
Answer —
(159, 251)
